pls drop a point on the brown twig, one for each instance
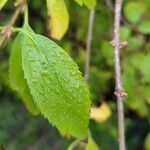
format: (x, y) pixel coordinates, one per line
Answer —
(88, 43)
(123, 19)
(119, 92)
(7, 31)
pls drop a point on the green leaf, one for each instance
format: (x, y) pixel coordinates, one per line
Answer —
(143, 68)
(88, 3)
(80, 2)
(16, 76)
(134, 102)
(91, 145)
(2, 3)
(56, 85)
(59, 18)
(135, 42)
(107, 52)
(144, 27)
(147, 142)
(125, 33)
(132, 77)
(133, 11)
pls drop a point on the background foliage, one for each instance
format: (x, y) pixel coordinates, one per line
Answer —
(20, 130)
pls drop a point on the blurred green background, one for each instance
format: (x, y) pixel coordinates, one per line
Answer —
(19, 130)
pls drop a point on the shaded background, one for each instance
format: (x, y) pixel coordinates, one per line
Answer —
(19, 130)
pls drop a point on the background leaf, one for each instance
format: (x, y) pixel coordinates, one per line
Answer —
(59, 18)
(101, 114)
(16, 76)
(81, 145)
(80, 2)
(89, 3)
(91, 145)
(56, 85)
(133, 11)
(147, 142)
(2, 3)
(144, 27)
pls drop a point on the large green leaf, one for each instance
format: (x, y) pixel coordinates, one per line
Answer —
(16, 76)
(59, 18)
(56, 85)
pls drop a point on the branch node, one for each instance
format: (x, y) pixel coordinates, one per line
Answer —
(122, 45)
(7, 31)
(121, 93)
(113, 42)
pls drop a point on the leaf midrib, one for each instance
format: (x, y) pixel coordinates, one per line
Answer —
(47, 62)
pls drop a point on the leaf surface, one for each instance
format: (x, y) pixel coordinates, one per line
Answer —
(56, 85)
(16, 76)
